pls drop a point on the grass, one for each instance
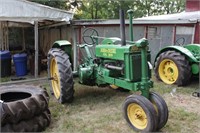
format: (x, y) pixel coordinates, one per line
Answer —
(99, 110)
(5, 79)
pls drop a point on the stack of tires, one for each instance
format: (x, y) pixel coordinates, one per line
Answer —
(24, 109)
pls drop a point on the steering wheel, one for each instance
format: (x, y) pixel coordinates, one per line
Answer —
(88, 36)
(180, 41)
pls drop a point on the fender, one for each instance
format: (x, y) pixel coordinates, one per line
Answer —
(180, 49)
(65, 46)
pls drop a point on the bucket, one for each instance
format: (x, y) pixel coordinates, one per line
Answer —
(20, 61)
(5, 61)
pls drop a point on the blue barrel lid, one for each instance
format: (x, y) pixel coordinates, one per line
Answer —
(5, 54)
(19, 56)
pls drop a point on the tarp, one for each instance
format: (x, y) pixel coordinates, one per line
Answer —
(26, 11)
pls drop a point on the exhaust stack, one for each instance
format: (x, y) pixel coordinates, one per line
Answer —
(122, 28)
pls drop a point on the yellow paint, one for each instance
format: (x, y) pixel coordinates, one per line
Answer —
(137, 116)
(105, 54)
(108, 50)
(114, 86)
(110, 55)
(134, 49)
(168, 71)
(56, 81)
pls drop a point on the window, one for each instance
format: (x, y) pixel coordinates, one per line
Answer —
(153, 32)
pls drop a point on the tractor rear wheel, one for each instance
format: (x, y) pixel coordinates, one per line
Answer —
(59, 69)
(140, 113)
(161, 109)
(173, 68)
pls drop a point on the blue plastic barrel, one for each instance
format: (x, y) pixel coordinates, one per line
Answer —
(20, 61)
(5, 61)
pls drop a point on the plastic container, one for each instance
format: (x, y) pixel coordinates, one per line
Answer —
(20, 61)
(5, 61)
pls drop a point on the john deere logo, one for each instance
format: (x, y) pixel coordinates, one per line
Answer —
(108, 52)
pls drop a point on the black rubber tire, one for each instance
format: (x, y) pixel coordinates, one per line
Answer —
(148, 108)
(65, 72)
(181, 62)
(21, 102)
(162, 109)
(35, 124)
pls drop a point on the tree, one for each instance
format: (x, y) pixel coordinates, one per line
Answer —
(109, 9)
(61, 4)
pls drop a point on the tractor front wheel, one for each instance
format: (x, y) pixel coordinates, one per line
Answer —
(140, 113)
(161, 109)
(60, 72)
(172, 68)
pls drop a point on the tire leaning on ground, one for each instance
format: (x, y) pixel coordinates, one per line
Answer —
(22, 102)
(59, 68)
(173, 68)
(36, 124)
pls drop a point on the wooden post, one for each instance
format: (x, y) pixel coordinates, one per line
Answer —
(1, 36)
(36, 48)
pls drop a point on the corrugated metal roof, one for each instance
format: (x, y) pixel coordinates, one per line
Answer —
(177, 18)
(183, 17)
(98, 22)
(26, 11)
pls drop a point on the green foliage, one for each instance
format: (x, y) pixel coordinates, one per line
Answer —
(6, 79)
(61, 4)
(109, 9)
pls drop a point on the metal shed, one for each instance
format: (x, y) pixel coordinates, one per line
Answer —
(163, 30)
(23, 13)
(172, 29)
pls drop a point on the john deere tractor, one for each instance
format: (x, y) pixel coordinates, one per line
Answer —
(116, 61)
(177, 64)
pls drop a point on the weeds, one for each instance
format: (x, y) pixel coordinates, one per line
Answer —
(99, 110)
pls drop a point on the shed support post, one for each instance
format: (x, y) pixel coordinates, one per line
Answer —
(74, 49)
(36, 47)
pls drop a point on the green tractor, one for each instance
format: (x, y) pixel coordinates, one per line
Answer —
(177, 64)
(117, 62)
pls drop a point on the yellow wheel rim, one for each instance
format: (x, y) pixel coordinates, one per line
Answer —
(168, 71)
(137, 116)
(56, 78)
(114, 87)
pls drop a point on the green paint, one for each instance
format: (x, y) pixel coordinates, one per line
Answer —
(130, 13)
(195, 68)
(65, 46)
(123, 66)
(191, 52)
